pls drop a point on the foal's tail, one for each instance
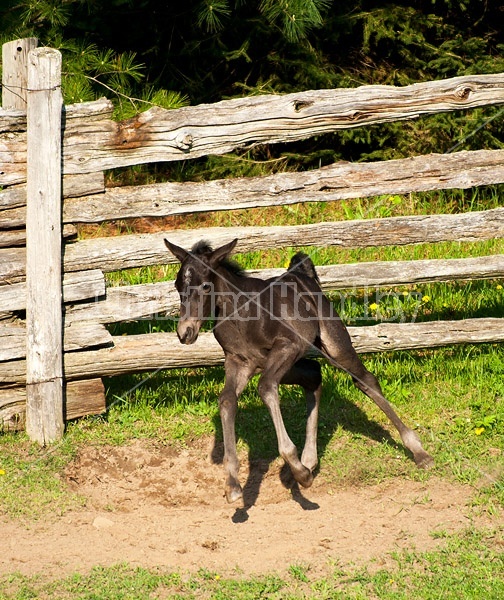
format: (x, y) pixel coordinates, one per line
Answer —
(302, 264)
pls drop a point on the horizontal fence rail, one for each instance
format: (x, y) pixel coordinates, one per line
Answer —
(340, 181)
(93, 142)
(157, 300)
(137, 250)
(153, 351)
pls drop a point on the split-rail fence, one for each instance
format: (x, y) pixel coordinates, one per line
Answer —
(52, 163)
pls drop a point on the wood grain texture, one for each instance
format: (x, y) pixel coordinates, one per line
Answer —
(17, 237)
(335, 182)
(128, 251)
(15, 72)
(82, 398)
(93, 142)
(44, 352)
(115, 253)
(77, 286)
(152, 351)
(13, 199)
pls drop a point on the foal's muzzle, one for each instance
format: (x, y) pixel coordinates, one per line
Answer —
(187, 331)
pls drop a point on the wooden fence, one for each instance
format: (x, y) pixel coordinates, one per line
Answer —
(51, 373)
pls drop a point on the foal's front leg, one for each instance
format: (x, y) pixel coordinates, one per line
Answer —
(279, 363)
(307, 374)
(237, 375)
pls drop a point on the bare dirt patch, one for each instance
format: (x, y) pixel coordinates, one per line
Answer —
(152, 505)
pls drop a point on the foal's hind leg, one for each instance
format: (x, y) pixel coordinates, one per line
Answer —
(306, 373)
(338, 347)
(368, 383)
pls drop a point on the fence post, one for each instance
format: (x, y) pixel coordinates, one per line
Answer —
(14, 72)
(44, 352)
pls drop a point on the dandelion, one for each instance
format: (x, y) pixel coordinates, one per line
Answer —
(479, 430)
(373, 306)
(405, 293)
(425, 299)
(2, 472)
(499, 287)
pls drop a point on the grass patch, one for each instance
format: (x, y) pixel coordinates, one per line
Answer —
(30, 477)
(461, 423)
(469, 566)
(454, 397)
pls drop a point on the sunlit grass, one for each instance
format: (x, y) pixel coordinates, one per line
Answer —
(453, 397)
(470, 566)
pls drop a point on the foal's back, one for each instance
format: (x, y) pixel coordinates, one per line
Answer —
(253, 314)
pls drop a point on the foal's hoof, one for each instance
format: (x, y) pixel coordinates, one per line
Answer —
(304, 477)
(234, 493)
(423, 460)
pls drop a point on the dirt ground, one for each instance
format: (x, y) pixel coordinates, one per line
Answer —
(150, 505)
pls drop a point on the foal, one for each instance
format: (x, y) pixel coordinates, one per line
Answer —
(269, 326)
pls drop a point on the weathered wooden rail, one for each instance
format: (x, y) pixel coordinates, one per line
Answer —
(136, 250)
(152, 351)
(93, 142)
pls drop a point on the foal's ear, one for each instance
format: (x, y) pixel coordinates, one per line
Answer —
(177, 251)
(222, 253)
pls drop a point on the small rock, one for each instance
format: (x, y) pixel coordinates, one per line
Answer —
(102, 523)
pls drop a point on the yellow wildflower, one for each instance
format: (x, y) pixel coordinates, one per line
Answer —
(373, 306)
(479, 430)
(425, 299)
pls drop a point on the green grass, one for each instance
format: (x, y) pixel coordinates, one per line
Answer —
(468, 567)
(453, 396)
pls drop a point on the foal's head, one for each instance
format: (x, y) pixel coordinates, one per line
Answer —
(195, 284)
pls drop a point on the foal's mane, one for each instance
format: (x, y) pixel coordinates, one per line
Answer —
(203, 248)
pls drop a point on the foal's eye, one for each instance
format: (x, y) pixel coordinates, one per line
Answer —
(206, 287)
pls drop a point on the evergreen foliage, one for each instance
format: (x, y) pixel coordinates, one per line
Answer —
(144, 52)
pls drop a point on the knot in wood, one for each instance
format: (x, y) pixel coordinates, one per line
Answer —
(129, 134)
(356, 115)
(300, 104)
(463, 92)
(184, 141)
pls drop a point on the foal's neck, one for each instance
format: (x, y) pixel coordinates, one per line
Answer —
(229, 283)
